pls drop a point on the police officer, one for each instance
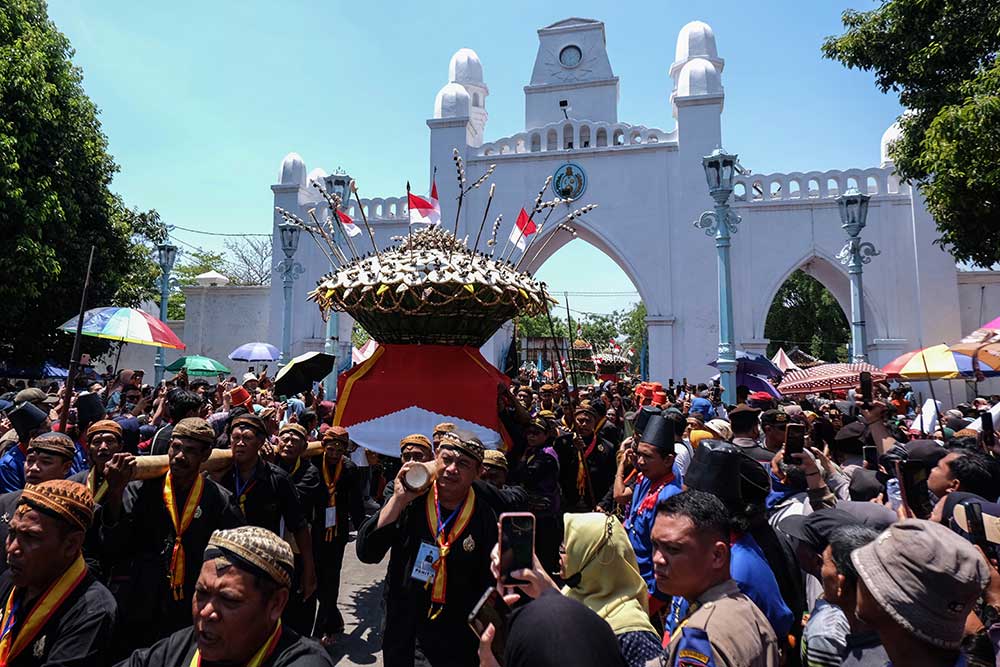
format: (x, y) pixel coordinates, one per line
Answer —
(691, 559)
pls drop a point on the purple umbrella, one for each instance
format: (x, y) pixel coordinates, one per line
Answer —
(255, 352)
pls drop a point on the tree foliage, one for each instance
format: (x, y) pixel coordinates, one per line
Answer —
(55, 196)
(941, 58)
(627, 328)
(805, 314)
(249, 261)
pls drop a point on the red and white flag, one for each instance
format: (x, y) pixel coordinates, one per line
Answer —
(424, 211)
(524, 227)
(350, 228)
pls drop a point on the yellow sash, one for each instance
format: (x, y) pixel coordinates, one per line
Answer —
(39, 615)
(259, 657)
(331, 492)
(180, 524)
(98, 493)
(444, 542)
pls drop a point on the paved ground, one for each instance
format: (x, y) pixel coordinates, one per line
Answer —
(361, 605)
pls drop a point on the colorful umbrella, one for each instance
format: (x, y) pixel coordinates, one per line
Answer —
(827, 377)
(982, 347)
(128, 325)
(937, 362)
(255, 352)
(197, 365)
(753, 364)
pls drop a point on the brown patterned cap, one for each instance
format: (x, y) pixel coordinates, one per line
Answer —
(297, 429)
(418, 439)
(255, 550)
(63, 499)
(104, 426)
(249, 421)
(335, 433)
(52, 442)
(444, 427)
(465, 445)
(194, 428)
(495, 458)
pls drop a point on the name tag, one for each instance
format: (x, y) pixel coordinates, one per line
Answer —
(423, 568)
(331, 517)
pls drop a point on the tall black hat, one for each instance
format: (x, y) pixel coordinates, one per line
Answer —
(25, 418)
(643, 415)
(659, 433)
(720, 468)
(89, 409)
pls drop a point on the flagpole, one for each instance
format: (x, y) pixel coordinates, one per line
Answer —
(569, 336)
(493, 187)
(74, 360)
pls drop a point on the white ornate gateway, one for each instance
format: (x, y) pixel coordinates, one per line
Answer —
(650, 187)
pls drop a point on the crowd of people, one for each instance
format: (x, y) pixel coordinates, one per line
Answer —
(197, 522)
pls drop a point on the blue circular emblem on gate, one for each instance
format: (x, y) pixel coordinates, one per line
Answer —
(569, 181)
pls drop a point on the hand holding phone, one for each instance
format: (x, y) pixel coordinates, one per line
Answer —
(517, 545)
(795, 441)
(912, 476)
(870, 456)
(491, 610)
(989, 430)
(866, 389)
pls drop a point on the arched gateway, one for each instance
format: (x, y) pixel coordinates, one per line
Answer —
(650, 187)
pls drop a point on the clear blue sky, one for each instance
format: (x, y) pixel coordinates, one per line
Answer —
(201, 100)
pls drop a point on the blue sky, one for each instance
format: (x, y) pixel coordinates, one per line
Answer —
(201, 100)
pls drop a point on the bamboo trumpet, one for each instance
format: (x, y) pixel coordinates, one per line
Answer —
(151, 467)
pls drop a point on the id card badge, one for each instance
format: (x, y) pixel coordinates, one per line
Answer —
(331, 517)
(423, 567)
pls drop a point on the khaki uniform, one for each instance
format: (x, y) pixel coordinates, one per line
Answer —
(723, 629)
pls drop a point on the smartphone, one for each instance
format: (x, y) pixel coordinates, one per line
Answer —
(912, 476)
(989, 430)
(866, 388)
(670, 383)
(974, 520)
(517, 544)
(795, 442)
(491, 609)
(871, 456)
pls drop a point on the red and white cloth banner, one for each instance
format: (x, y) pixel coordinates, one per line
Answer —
(424, 211)
(347, 223)
(524, 227)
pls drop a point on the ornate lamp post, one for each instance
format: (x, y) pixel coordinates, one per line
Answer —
(289, 270)
(853, 207)
(337, 183)
(720, 170)
(166, 255)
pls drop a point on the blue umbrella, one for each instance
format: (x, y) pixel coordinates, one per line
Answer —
(255, 352)
(753, 364)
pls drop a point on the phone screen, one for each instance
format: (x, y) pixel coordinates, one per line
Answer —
(974, 518)
(913, 487)
(871, 456)
(517, 544)
(795, 440)
(491, 609)
(866, 388)
(989, 430)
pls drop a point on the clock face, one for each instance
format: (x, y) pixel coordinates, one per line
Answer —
(570, 56)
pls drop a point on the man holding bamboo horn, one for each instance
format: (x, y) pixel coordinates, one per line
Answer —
(153, 582)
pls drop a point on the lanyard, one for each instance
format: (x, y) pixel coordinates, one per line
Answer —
(243, 488)
(443, 525)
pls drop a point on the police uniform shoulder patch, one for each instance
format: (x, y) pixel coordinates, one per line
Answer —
(694, 649)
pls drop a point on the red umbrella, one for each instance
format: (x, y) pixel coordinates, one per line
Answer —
(827, 377)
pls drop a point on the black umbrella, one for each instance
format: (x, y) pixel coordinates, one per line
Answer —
(299, 374)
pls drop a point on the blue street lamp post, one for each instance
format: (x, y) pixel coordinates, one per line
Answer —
(855, 254)
(166, 255)
(337, 183)
(289, 270)
(720, 171)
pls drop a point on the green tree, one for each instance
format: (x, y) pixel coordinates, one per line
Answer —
(598, 329)
(55, 196)
(941, 59)
(805, 314)
(537, 326)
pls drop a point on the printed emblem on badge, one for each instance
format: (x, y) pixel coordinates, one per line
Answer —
(468, 544)
(197, 512)
(600, 448)
(38, 650)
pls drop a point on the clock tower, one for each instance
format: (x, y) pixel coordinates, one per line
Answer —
(572, 77)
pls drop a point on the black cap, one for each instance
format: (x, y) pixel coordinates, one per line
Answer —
(722, 469)
(25, 418)
(659, 433)
(642, 416)
(928, 452)
(771, 417)
(815, 529)
(89, 409)
(866, 484)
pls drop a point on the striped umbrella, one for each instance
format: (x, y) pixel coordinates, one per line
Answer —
(982, 347)
(827, 377)
(937, 362)
(255, 352)
(128, 325)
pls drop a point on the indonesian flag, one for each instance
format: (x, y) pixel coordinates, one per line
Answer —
(424, 211)
(523, 228)
(348, 224)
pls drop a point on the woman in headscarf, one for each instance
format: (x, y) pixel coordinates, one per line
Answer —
(599, 569)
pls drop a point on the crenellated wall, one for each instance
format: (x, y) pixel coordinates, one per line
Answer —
(571, 135)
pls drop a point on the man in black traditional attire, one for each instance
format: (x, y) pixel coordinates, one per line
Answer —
(439, 542)
(587, 462)
(54, 611)
(153, 531)
(239, 599)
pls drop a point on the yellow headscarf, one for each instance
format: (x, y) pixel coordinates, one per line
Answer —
(597, 547)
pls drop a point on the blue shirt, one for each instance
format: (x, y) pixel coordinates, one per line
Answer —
(640, 527)
(12, 470)
(750, 570)
(79, 461)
